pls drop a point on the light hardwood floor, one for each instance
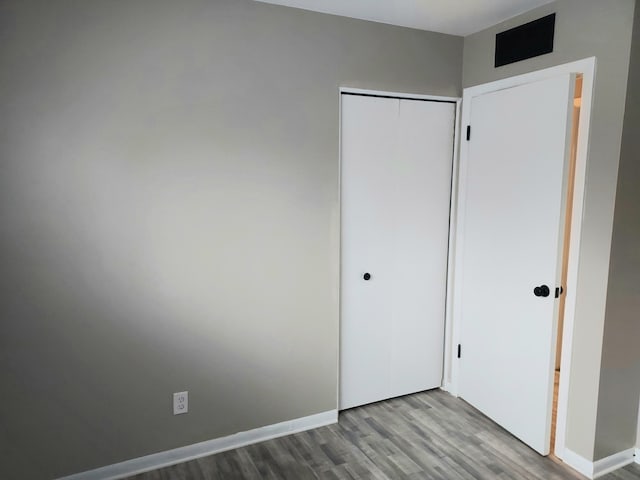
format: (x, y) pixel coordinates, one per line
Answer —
(429, 435)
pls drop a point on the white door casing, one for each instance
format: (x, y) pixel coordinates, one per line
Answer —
(396, 157)
(513, 219)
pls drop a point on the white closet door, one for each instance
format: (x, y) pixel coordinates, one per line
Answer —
(396, 184)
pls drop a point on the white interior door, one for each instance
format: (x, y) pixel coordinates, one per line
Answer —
(396, 183)
(512, 237)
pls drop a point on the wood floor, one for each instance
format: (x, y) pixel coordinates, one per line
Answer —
(428, 435)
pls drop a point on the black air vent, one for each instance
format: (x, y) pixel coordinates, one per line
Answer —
(526, 41)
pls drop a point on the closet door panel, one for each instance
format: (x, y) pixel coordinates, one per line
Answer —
(369, 142)
(421, 196)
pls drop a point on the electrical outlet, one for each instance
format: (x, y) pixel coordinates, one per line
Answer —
(180, 403)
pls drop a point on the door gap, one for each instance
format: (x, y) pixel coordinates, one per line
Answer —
(577, 103)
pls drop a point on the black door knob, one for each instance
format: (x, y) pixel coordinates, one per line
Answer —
(541, 291)
(367, 276)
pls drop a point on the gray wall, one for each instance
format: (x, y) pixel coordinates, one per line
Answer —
(169, 206)
(638, 431)
(620, 375)
(584, 28)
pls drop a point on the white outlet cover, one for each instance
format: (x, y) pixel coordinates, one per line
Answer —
(180, 403)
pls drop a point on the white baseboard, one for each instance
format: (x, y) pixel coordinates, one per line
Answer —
(613, 462)
(637, 455)
(600, 467)
(578, 463)
(203, 449)
(448, 387)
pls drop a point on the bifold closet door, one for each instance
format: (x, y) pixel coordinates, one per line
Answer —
(396, 186)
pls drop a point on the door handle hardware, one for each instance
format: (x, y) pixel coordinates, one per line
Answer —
(541, 291)
(367, 276)
(559, 291)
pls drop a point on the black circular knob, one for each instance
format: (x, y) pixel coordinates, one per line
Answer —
(367, 276)
(541, 291)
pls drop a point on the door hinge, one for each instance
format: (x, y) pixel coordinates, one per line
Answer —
(468, 132)
(559, 291)
(459, 350)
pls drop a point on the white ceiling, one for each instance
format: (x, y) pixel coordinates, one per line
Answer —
(456, 17)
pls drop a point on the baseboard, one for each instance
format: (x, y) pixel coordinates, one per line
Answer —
(448, 387)
(578, 463)
(203, 449)
(637, 454)
(600, 467)
(613, 462)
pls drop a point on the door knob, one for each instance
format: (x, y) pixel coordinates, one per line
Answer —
(367, 276)
(541, 291)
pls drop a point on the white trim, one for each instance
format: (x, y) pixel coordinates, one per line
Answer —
(410, 96)
(203, 449)
(339, 273)
(453, 208)
(600, 467)
(587, 67)
(578, 463)
(613, 462)
(637, 455)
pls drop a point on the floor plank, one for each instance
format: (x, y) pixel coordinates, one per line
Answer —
(429, 435)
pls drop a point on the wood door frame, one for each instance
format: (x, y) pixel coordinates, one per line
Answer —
(452, 208)
(587, 68)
